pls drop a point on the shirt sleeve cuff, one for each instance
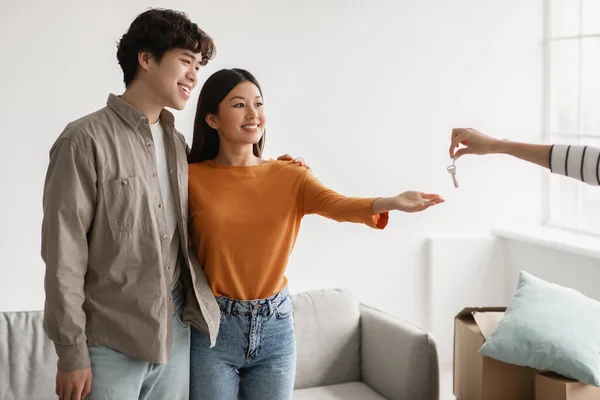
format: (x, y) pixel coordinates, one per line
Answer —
(380, 221)
(377, 221)
(72, 357)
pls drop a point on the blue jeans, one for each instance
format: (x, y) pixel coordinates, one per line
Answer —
(255, 354)
(119, 376)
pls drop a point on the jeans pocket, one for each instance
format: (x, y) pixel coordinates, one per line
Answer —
(285, 309)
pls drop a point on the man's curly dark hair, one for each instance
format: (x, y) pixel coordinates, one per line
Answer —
(158, 31)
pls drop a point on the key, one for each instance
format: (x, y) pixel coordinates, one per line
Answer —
(452, 171)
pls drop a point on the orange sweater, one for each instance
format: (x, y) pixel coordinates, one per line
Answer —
(244, 222)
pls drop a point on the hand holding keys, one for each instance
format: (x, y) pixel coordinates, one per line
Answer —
(452, 170)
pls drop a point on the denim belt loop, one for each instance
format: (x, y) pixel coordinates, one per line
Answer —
(228, 308)
(271, 308)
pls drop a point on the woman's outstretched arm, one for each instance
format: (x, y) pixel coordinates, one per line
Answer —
(373, 211)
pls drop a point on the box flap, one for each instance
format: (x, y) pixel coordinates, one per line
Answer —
(468, 311)
(487, 321)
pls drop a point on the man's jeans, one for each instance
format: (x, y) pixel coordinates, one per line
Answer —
(116, 376)
(255, 354)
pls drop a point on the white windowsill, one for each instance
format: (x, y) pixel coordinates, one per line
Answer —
(554, 238)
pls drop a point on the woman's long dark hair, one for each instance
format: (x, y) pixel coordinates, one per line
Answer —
(205, 144)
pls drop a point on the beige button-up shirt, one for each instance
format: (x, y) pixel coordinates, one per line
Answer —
(105, 241)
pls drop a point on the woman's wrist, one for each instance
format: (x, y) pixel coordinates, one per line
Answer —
(381, 205)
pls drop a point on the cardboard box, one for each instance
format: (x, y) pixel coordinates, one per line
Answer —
(481, 378)
(550, 386)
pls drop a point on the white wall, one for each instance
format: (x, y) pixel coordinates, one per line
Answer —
(366, 93)
(566, 268)
(462, 271)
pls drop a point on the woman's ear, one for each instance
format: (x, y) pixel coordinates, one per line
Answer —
(211, 120)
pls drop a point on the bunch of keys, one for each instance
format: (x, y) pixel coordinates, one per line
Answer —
(452, 170)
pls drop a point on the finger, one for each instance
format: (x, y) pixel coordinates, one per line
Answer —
(433, 201)
(429, 196)
(68, 393)
(461, 138)
(60, 391)
(300, 161)
(78, 395)
(454, 133)
(462, 152)
(455, 142)
(457, 131)
(78, 391)
(87, 388)
(285, 157)
(451, 150)
(63, 392)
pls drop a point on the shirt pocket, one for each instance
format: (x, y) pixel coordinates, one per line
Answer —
(123, 198)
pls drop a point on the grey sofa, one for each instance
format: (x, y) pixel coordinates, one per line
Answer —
(346, 351)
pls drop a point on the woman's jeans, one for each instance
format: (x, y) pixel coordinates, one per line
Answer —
(255, 354)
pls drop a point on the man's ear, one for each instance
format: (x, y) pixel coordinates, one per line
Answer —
(144, 59)
(211, 120)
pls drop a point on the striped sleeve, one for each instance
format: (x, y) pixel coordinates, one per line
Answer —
(577, 162)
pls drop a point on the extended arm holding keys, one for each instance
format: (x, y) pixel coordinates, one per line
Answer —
(574, 161)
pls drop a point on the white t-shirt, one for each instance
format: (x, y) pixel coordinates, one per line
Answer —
(167, 197)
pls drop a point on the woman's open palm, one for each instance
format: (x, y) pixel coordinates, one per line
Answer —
(413, 201)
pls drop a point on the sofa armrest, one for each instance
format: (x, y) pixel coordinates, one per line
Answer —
(398, 360)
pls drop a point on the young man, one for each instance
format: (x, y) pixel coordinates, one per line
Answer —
(574, 161)
(114, 233)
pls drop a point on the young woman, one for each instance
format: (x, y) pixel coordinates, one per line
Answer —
(245, 214)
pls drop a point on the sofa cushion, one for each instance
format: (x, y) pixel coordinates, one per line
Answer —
(27, 357)
(344, 391)
(328, 338)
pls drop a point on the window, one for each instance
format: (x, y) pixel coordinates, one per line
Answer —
(572, 105)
